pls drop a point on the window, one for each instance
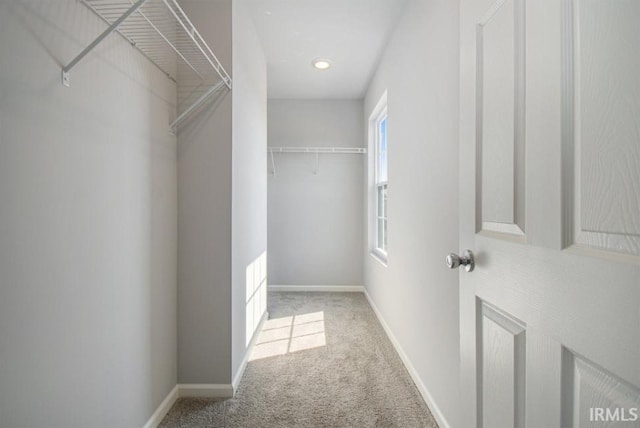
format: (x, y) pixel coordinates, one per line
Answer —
(381, 183)
(378, 146)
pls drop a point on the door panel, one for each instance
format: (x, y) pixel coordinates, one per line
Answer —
(502, 352)
(500, 108)
(606, 86)
(550, 205)
(588, 387)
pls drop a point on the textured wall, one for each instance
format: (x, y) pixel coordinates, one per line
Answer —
(87, 224)
(249, 212)
(315, 221)
(222, 201)
(204, 218)
(417, 295)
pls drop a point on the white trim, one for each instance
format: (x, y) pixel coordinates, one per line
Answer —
(187, 390)
(163, 408)
(243, 365)
(380, 106)
(206, 390)
(334, 150)
(379, 110)
(228, 390)
(435, 410)
(318, 288)
(381, 258)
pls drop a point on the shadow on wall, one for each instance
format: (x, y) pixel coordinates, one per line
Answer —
(194, 124)
(35, 18)
(256, 294)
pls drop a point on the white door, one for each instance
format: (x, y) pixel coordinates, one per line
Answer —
(550, 205)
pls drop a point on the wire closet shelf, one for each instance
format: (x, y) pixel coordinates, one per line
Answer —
(337, 150)
(162, 32)
(314, 150)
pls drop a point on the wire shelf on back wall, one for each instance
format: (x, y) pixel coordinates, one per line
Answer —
(314, 150)
(163, 33)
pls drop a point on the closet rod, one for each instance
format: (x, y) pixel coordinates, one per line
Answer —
(164, 34)
(336, 150)
(313, 150)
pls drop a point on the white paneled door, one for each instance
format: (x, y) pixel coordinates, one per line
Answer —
(550, 206)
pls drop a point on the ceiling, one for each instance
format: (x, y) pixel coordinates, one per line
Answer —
(350, 33)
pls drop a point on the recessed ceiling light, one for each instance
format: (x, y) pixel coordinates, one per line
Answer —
(321, 63)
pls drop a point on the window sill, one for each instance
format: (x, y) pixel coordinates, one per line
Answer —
(379, 257)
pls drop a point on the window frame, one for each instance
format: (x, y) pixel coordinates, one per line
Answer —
(379, 212)
(381, 186)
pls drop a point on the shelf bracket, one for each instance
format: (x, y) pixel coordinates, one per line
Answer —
(273, 163)
(196, 104)
(113, 27)
(314, 150)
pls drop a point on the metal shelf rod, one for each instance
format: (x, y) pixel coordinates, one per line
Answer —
(314, 150)
(170, 44)
(100, 38)
(192, 32)
(164, 34)
(196, 104)
(335, 150)
(131, 42)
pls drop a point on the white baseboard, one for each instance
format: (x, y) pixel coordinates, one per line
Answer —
(319, 288)
(238, 377)
(435, 410)
(187, 390)
(202, 390)
(228, 390)
(198, 390)
(206, 390)
(163, 408)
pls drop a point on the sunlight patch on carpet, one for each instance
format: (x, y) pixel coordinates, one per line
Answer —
(281, 336)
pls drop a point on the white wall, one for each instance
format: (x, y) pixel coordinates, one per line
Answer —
(204, 218)
(87, 224)
(315, 221)
(222, 202)
(249, 195)
(416, 294)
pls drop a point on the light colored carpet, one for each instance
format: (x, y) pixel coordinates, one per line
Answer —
(322, 360)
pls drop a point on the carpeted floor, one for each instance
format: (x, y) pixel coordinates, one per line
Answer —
(321, 360)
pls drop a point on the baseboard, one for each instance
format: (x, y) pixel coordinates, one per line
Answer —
(435, 410)
(319, 288)
(201, 389)
(228, 390)
(238, 377)
(188, 390)
(163, 408)
(206, 390)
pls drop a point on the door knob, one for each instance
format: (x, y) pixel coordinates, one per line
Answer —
(454, 261)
